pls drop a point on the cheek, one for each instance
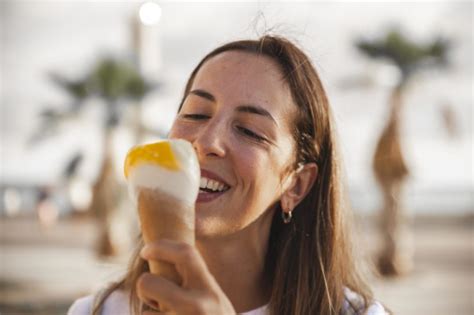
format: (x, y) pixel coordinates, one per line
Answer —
(271, 171)
(258, 169)
(178, 131)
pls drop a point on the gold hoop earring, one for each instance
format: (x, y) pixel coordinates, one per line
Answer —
(286, 216)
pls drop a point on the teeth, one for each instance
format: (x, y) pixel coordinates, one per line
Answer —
(211, 184)
(203, 182)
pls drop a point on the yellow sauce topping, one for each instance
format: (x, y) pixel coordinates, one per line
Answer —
(159, 153)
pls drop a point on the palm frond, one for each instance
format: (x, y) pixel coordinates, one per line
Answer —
(405, 53)
(78, 89)
(113, 79)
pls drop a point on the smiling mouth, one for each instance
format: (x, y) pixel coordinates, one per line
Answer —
(207, 185)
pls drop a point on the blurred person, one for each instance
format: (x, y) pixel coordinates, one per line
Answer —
(46, 207)
(277, 240)
(449, 120)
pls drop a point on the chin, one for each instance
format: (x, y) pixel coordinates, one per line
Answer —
(204, 228)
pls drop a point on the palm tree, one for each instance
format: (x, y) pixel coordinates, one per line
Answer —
(388, 161)
(117, 83)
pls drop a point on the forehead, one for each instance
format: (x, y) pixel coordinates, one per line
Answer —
(246, 78)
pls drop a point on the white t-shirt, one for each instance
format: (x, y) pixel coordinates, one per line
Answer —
(117, 304)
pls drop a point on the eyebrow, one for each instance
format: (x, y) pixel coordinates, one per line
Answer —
(252, 109)
(208, 96)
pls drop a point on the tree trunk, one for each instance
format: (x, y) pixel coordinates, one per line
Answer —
(391, 171)
(104, 199)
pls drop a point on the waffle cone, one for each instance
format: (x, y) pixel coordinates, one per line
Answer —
(164, 217)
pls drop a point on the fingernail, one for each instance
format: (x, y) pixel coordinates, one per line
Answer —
(155, 305)
(143, 251)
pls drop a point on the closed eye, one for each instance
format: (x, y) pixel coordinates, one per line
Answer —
(195, 116)
(251, 134)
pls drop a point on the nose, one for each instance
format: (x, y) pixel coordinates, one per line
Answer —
(210, 140)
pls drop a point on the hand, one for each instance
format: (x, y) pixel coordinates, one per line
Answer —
(199, 293)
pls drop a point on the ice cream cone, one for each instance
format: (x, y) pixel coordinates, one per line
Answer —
(165, 217)
(163, 179)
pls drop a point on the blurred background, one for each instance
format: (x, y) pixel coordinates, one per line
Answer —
(82, 81)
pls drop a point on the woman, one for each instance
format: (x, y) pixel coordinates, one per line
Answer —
(275, 240)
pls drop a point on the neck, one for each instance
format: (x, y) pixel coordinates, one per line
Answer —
(237, 262)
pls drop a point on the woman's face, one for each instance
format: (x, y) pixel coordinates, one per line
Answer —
(237, 115)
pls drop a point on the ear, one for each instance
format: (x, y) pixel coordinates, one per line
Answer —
(300, 184)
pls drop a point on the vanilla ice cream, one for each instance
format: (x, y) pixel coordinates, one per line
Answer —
(170, 166)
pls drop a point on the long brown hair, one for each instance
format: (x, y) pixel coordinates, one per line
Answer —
(310, 261)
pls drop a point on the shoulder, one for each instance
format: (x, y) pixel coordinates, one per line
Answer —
(354, 305)
(115, 304)
(82, 306)
(376, 309)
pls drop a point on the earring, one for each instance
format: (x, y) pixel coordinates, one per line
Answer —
(286, 216)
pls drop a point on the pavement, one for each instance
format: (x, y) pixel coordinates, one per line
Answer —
(42, 270)
(442, 282)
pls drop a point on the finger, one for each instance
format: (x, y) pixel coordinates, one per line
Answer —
(156, 290)
(187, 260)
